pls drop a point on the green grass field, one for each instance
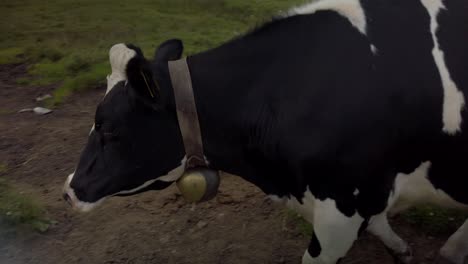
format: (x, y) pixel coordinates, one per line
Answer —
(67, 41)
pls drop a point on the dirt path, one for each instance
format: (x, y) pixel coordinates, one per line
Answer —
(239, 226)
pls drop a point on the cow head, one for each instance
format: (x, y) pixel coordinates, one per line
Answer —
(135, 144)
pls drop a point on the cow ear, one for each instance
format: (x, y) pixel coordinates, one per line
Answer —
(141, 78)
(169, 50)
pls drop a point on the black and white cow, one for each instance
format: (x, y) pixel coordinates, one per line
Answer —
(335, 109)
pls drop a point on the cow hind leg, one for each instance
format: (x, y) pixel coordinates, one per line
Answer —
(455, 250)
(334, 234)
(397, 247)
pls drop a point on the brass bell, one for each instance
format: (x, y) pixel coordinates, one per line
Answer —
(199, 184)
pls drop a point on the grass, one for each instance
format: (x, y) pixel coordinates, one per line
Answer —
(18, 210)
(3, 168)
(434, 220)
(67, 41)
(304, 227)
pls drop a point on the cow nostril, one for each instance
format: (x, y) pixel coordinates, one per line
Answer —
(67, 198)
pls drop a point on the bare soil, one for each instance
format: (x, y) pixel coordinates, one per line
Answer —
(239, 226)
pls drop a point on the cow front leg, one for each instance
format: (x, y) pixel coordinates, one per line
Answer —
(334, 234)
(455, 250)
(398, 248)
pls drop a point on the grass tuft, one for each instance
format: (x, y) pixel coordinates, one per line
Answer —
(3, 168)
(41, 53)
(11, 55)
(435, 220)
(19, 210)
(304, 227)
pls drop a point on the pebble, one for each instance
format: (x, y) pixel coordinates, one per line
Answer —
(44, 97)
(37, 110)
(164, 239)
(202, 224)
(220, 216)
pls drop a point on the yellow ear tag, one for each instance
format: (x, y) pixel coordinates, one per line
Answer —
(147, 85)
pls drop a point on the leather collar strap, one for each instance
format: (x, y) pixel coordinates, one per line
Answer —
(187, 113)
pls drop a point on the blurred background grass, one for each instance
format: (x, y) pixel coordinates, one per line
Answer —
(66, 41)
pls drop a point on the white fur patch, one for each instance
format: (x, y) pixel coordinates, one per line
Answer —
(374, 50)
(119, 56)
(276, 198)
(174, 174)
(454, 100)
(307, 258)
(415, 188)
(335, 231)
(356, 192)
(306, 208)
(350, 9)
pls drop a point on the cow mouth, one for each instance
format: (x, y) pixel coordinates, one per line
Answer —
(155, 186)
(70, 197)
(78, 205)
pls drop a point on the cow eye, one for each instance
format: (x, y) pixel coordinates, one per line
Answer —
(109, 137)
(97, 126)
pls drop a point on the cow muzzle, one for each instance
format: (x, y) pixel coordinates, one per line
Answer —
(70, 197)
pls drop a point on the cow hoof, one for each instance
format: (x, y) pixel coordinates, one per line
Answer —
(406, 257)
(443, 260)
(402, 258)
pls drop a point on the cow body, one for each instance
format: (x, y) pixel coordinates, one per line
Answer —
(348, 96)
(329, 109)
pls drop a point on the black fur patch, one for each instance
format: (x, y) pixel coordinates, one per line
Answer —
(363, 227)
(314, 247)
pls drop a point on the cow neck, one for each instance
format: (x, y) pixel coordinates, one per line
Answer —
(187, 113)
(224, 86)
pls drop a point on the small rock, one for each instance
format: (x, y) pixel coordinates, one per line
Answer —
(41, 110)
(220, 216)
(281, 260)
(25, 110)
(37, 110)
(202, 224)
(44, 97)
(225, 199)
(164, 239)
